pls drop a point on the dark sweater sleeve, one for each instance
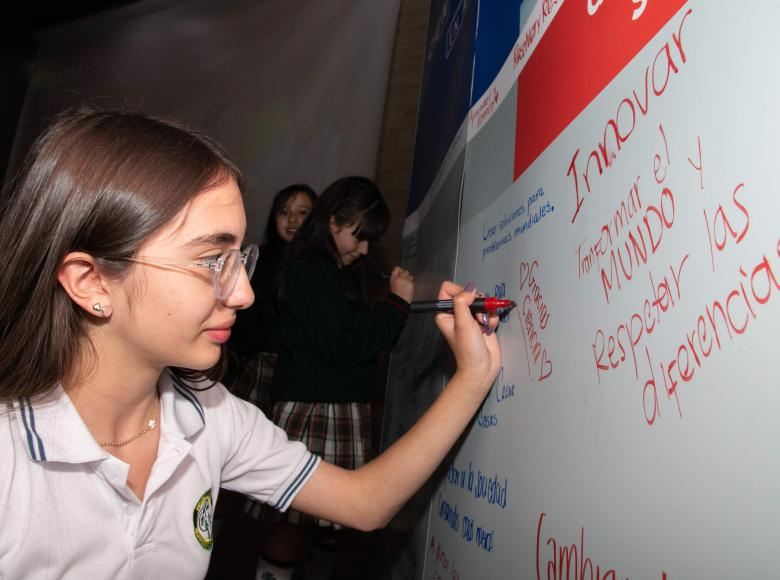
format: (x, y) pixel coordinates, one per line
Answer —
(316, 313)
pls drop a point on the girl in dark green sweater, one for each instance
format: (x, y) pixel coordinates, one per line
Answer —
(331, 336)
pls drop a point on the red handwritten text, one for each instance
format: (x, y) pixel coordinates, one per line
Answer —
(609, 350)
(625, 212)
(443, 561)
(725, 318)
(534, 300)
(569, 561)
(633, 253)
(722, 229)
(619, 128)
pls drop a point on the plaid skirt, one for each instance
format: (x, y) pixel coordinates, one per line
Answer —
(252, 381)
(340, 433)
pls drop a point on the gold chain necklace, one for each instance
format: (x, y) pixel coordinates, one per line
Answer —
(149, 426)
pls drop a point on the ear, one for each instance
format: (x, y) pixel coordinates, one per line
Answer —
(80, 277)
(334, 227)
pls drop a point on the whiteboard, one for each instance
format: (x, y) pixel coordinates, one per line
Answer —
(633, 430)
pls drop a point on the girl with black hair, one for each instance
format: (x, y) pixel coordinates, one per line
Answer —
(254, 344)
(331, 336)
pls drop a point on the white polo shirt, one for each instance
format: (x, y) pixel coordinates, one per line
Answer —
(66, 510)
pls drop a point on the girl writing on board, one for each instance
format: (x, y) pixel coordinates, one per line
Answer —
(121, 242)
(330, 340)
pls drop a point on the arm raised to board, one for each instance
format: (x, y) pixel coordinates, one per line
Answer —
(368, 497)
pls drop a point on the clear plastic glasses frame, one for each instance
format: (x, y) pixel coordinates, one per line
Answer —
(225, 267)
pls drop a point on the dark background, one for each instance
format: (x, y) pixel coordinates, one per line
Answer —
(18, 49)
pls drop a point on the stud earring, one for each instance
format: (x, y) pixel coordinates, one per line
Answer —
(97, 307)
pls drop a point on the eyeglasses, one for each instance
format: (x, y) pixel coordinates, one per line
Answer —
(225, 267)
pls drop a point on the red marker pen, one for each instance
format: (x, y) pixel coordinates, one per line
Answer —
(487, 304)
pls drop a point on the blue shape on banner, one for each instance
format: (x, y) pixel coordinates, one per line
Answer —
(497, 32)
(445, 90)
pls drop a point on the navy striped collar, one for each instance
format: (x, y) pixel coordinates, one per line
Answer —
(53, 431)
(182, 408)
(30, 434)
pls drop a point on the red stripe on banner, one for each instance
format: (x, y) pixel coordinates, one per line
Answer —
(576, 58)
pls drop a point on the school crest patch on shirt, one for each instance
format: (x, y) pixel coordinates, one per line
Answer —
(202, 518)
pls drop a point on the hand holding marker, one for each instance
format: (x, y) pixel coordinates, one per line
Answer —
(486, 304)
(483, 307)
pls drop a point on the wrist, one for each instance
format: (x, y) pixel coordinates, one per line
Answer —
(472, 381)
(398, 302)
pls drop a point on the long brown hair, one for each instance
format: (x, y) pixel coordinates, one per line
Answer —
(100, 182)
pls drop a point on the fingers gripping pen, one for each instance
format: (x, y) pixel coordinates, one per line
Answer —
(487, 304)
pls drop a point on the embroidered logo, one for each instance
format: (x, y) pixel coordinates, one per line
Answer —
(202, 518)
